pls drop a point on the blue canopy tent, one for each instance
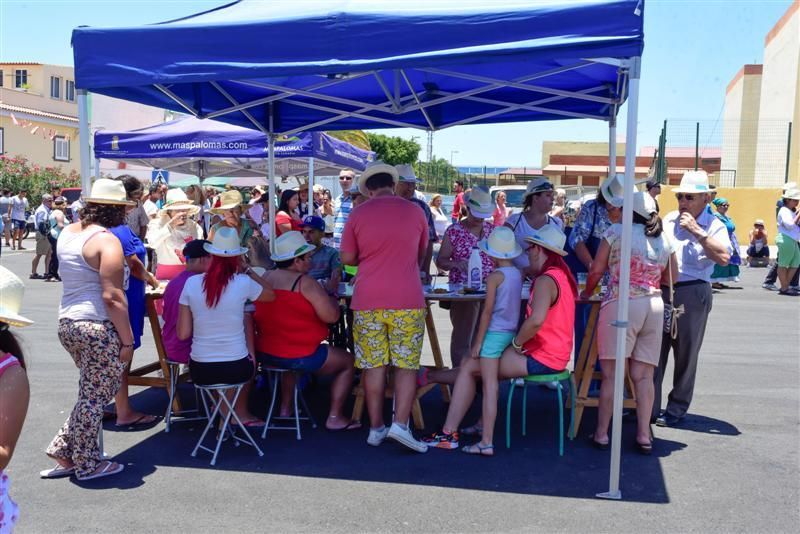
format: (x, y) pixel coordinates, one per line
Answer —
(287, 67)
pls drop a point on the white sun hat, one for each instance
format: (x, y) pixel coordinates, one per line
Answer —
(177, 200)
(12, 291)
(789, 185)
(225, 243)
(376, 167)
(613, 189)
(644, 204)
(479, 202)
(693, 182)
(406, 174)
(291, 245)
(549, 237)
(501, 244)
(792, 194)
(106, 191)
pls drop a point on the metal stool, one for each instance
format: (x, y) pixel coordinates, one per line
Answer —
(207, 393)
(174, 376)
(275, 375)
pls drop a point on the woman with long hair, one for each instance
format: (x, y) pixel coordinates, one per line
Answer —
(501, 211)
(440, 219)
(651, 256)
(287, 219)
(169, 232)
(230, 209)
(14, 389)
(93, 326)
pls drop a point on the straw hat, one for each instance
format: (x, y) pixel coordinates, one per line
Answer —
(537, 185)
(177, 200)
(291, 245)
(644, 204)
(225, 243)
(11, 292)
(376, 167)
(693, 182)
(549, 237)
(479, 202)
(613, 189)
(406, 174)
(792, 194)
(227, 201)
(501, 244)
(105, 191)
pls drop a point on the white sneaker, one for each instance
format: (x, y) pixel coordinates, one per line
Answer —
(405, 437)
(376, 437)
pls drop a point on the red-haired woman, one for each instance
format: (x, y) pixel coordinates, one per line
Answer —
(212, 314)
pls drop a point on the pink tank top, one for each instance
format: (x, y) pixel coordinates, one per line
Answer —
(552, 344)
(7, 361)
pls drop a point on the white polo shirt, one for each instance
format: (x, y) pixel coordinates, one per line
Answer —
(693, 264)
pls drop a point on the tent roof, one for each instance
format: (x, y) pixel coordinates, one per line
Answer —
(352, 64)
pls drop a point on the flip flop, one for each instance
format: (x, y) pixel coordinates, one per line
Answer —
(352, 425)
(478, 449)
(474, 430)
(644, 448)
(138, 424)
(598, 444)
(104, 472)
(58, 471)
(253, 423)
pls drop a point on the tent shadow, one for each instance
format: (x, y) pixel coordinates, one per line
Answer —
(708, 425)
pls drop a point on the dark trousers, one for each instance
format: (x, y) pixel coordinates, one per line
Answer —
(772, 275)
(52, 267)
(763, 253)
(696, 301)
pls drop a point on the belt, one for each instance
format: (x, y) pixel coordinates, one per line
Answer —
(690, 283)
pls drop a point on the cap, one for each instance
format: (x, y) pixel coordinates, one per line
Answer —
(315, 222)
(47, 197)
(194, 249)
(653, 182)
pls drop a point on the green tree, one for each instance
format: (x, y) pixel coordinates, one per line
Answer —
(17, 173)
(437, 175)
(393, 150)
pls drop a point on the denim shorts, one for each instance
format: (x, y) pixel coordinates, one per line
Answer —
(309, 364)
(494, 343)
(16, 224)
(537, 368)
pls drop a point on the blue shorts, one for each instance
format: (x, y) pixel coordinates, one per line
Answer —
(494, 343)
(535, 367)
(309, 364)
(16, 224)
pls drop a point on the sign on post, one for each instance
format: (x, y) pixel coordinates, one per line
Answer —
(160, 176)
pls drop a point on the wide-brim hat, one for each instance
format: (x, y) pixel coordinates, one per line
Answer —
(376, 167)
(613, 189)
(644, 204)
(501, 244)
(406, 173)
(539, 184)
(549, 237)
(479, 203)
(177, 200)
(792, 194)
(789, 185)
(290, 245)
(227, 201)
(12, 291)
(107, 191)
(695, 182)
(225, 243)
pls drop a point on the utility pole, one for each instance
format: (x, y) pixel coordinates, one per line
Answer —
(430, 146)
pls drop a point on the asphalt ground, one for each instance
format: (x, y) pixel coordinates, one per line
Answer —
(732, 466)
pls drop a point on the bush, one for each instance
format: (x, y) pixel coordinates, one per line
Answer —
(17, 173)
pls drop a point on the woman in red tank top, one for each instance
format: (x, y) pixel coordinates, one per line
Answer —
(543, 344)
(291, 329)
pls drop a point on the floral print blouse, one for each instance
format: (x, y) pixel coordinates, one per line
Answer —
(462, 241)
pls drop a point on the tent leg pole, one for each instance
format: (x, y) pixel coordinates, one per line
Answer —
(612, 146)
(621, 324)
(96, 168)
(272, 191)
(83, 134)
(310, 186)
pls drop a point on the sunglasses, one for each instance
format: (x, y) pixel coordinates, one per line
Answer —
(681, 196)
(725, 205)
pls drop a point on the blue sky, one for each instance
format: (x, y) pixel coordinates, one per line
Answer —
(692, 50)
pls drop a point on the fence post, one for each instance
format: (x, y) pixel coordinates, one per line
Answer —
(697, 146)
(788, 154)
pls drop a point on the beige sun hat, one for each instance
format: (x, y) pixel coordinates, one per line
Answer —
(376, 167)
(644, 204)
(759, 222)
(613, 189)
(479, 202)
(176, 200)
(227, 201)
(501, 244)
(225, 243)
(693, 182)
(106, 191)
(549, 237)
(12, 291)
(291, 245)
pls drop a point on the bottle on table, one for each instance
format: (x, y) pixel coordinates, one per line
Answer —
(475, 269)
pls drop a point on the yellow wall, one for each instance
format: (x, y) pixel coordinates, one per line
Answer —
(19, 141)
(747, 205)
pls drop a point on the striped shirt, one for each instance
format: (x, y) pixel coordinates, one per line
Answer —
(340, 215)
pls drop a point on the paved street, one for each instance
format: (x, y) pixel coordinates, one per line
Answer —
(733, 466)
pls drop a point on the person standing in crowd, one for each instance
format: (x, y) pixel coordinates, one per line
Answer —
(324, 264)
(16, 213)
(772, 273)
(344, 204)
(5, 215)
(758, 243)
(230, 208)
(137, 218)
(651, 255)
(212, 316)
(43, 248)
(653, 188)
(55, 223)
(440, 219)
(592, 224)
(14, 388)
(134, 252)
(459, 240)
(559, 205)
(328, 214)
(458, 203)
(542, 344)
(699, 241)
(730, 272)
(302, 207)
(170, 231)
(501, 211)
(287, 219)
(389, 319)
(93, 326)
(536, 205)
(150, 205)
(788, 241)
(406, 188)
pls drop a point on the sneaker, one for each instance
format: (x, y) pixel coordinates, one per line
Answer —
(440, 440)
(404, 436)
(771, 287)
(376, 437)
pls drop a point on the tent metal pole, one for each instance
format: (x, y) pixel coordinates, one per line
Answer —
(621, 324)
(310, 186)
(83, 134)
(272, 191)
(96, 168)
(612, 146)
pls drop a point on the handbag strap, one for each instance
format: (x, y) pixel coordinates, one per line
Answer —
(676, 311)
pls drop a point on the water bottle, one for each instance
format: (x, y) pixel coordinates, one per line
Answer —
(475, 269)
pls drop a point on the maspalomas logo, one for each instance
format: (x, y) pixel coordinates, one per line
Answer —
(115, 143)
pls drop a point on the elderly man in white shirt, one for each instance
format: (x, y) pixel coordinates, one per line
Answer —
(699, 240)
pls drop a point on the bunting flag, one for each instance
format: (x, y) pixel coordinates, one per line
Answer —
(34, 130)
(14, 120)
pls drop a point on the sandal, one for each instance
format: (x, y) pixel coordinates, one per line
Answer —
(110, 468)
(352, 425)
(644, 448)
(478, 449)
(143, 422)
(599, 445)
(474, 430)
(252, 423)
(59, 471)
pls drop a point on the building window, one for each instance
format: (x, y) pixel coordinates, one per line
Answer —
(21, 79)
(1, 77)
(2, 141)
(60, 149)
(69, 91)
(55, 87)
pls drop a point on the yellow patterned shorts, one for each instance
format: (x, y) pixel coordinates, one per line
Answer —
(384, 337)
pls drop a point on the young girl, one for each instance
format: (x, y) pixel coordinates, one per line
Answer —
(497, 325)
